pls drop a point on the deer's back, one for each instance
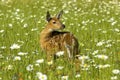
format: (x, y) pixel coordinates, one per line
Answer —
(59, 41)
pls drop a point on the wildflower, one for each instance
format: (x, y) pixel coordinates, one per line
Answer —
(34, 29)
(85, 66)
(37, 64)
(77, 76)
(1, 56)
(38, 74)
(41, 76)
(99, 66)
(60, 53)
(102, 66)
(1, 31)
(22, 53)
(116, 71)
(66, 11)
(25, 25)
(104, 31)
(29, 67)
(108, 45)
(95, 52)
(17, 58)
(50, 62)
(3, 47)
(26, 34)
(113, 23)
(100, 43)
(18, 10)
(9, 67)
(101, 56)
(64, 77)
(106, 65)
(15, 46)
(117, 30)
(83, 57)
(111, 19)
(40, 61)
(60, 67)
(10, 25)
(114, 78)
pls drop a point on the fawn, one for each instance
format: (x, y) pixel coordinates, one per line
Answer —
(52, 40)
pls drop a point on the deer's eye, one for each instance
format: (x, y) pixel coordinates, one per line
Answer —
(54, 22)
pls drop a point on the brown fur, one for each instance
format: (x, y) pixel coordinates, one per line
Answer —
(52, 40)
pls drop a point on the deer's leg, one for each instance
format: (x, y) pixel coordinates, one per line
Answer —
(77, 63)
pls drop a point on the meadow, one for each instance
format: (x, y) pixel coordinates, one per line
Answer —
(95, 23)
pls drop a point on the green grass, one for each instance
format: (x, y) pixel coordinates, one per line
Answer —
(91, 22)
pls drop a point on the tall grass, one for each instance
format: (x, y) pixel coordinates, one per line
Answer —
(95, 24)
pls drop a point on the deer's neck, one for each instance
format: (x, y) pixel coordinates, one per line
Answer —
(46, 34)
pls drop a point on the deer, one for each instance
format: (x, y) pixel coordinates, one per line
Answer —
(53, 40)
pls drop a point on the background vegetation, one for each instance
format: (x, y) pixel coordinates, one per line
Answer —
(94, 22)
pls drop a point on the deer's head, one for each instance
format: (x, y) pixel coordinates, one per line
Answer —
(54, 22)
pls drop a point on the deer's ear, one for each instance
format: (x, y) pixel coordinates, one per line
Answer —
(59, 15)
(48, 17)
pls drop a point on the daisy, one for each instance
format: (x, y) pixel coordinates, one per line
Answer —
(14, 46)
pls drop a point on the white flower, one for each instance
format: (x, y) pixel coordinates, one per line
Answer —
(29, 67)
(60, 67)
(60, 53)
(114, 78)
(10, 25)
(95, 52)
(100, 43)
(83, 57)
(17, 58)
(15, 46)
(3, 47)
(38, 74)
(85, 66)
(37, 64)
(40, 61)
(9, 67)
(34, 29)
(1, 56)
(116, 71)
(77, 76)
(22, 53)
(101, 56)
(104, 31)
(64, 77)
(41, 76)
(113, 23)
(66, 11)
(117, 30)
(89, 0)
(18, 10)
(108, 45)
(103, 66)
(50, 62)
(99, 66)
(111, 19)
(1, 31)
(25, 25)
(106, 65)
